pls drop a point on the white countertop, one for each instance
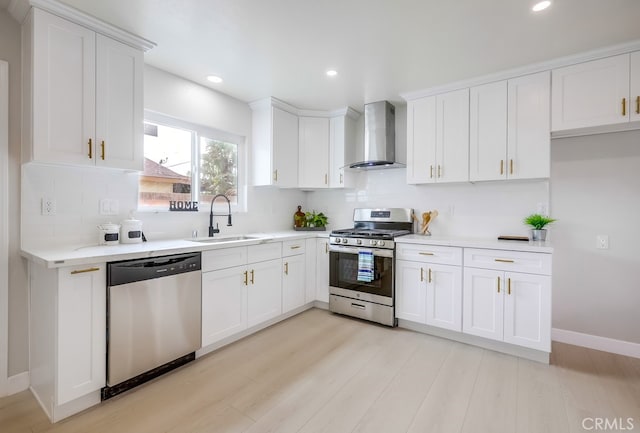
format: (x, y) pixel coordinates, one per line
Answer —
(536, 247)
(55, 257)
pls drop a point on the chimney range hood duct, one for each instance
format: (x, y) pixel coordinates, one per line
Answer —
(379, 137)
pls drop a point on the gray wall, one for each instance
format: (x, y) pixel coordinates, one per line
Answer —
(595, 190)
(18, 308)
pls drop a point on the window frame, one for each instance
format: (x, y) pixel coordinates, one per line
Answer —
(198, 131)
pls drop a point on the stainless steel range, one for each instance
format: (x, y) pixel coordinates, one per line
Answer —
(361, 266)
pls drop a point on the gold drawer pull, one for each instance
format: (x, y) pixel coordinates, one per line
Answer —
(340, 178)
(502, 166)
(421, 275)
(637, 104)
(426, 254)
(246, 278)
(439, 171)
(431, 172)
(286, 268)
(508, 286)
(624, 106)
(90, 149)
(275, 175)
(102, 147)
(429, 274)
(295, 247)
(252, 275)
(504, 260)
(511, 166)
(83, 271)
(498, 284)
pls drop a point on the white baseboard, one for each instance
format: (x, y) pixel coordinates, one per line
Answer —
(18, 383)
(605, 344)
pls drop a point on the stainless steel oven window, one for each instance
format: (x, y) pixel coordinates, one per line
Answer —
(343, 273)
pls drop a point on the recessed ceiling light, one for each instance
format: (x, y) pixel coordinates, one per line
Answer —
(332, 73)
(540, 6)
(214, 79)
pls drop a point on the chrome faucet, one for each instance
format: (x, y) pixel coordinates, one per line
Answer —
(212, 230)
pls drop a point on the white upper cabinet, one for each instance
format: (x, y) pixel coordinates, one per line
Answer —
(634, 109)
(438, 138)
(591, 94)
(313, 165)
(342, 142)
(275, 144)
(82, 95)
(510, 129)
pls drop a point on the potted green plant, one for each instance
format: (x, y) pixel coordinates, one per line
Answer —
(318, 220)
(538, 223)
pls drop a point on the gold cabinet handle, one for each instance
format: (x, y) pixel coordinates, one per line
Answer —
(624, 106)
(498, 284)
(341, 178)
(102, 150)
(275, 175)
(502, 166)
(431, 172)
(84, 271)
(508, 286)
(429, 274)
(511, 166)
(425, 254)
(326, 248)
(246, 278)
(90, 149)
(252, 275)
(439, 171)
(504, 260)
(637, 104)
(421, 275)
(286, 268)
(295, 247)
(326, 178)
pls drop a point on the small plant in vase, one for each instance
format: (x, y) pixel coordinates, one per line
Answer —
(314, 219)
(538, 223)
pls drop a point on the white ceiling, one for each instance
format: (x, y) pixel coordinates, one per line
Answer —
(381, 48)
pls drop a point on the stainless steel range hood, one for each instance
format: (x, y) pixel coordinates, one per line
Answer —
(379, 137)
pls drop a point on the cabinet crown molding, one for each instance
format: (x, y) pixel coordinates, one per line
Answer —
(20, 8)
(559, 62)
(270, 101)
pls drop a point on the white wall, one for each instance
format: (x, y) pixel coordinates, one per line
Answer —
(595, 189)
(77, 191)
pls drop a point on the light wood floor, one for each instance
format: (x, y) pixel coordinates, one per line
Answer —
(319, 372)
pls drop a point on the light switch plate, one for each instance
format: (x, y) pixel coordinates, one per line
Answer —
(602, 242)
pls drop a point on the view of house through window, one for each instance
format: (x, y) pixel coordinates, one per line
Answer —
(185, 163)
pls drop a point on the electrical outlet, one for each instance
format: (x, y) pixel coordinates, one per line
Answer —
(48, 205)
(602, 242)
(109, 206)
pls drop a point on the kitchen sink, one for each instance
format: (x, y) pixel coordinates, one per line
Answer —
(222, 239)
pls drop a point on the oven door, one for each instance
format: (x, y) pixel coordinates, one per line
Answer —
(343, 275)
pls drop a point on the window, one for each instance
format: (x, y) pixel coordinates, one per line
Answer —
(188, 163)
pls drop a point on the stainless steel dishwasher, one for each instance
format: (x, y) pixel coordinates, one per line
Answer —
(153, 318)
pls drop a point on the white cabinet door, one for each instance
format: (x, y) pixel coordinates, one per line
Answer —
(322, 270)
(82, 346)
(410, 291)
(285, 148)
(634, 94)
(529, 129)
(310, 270)
(527, 310)
(452, 136)
(63, 93)
(224, 303)
(313, 168)
(421, 140)
(293, 281)
(488, 132)
(483, 303)
(342, 142)
(590, 93)
(264, 298)
(444, 296)
(119, 127)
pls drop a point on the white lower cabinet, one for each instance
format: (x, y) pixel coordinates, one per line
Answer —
(67, 336)
(513, 307)
(224, 301)
(322, 270)
(293, 279)
(264, 299)
(428, 291)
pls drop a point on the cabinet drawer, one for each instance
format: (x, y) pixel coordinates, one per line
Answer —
(515, 261)
(223, 258)
(263, 252)
(292, 248)
(429, 254)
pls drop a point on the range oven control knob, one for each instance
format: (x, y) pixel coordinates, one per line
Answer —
(372, 242)
(359, 241)
(345, 240)
(380, 243)
(337, 240)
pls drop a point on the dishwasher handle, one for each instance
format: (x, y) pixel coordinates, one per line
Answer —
(130, 271)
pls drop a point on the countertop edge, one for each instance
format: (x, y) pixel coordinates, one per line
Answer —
(494, 244)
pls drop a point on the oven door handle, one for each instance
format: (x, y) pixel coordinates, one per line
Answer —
(356, 250)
